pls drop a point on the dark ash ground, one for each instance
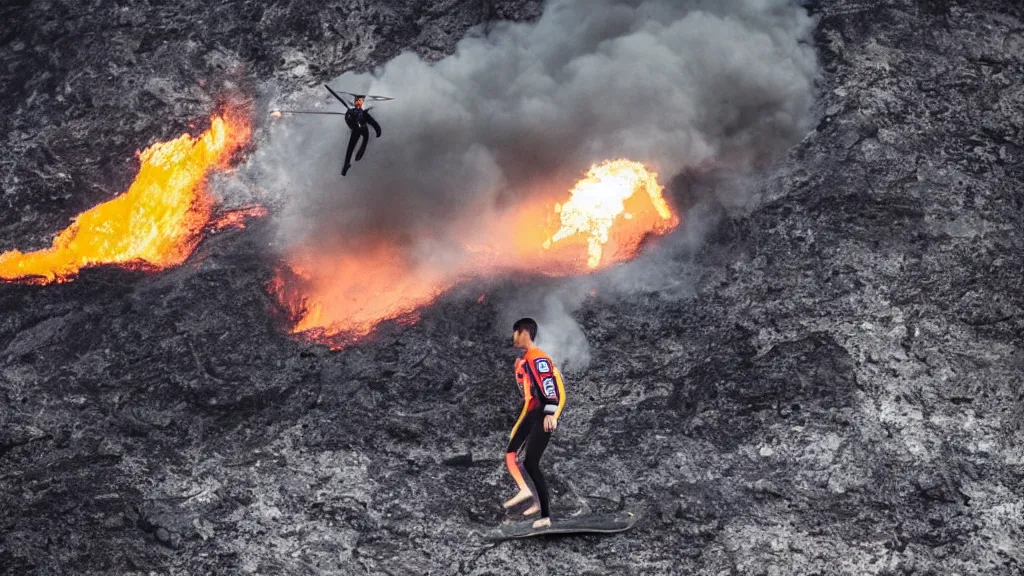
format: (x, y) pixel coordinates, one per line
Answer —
(842, 395)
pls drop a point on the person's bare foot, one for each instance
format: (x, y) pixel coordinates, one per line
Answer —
(518, 498)
(542, 523)
(532, 510)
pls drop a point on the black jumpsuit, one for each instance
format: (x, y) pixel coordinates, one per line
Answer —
(357, 119)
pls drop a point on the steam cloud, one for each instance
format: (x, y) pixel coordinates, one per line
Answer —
(522, 108)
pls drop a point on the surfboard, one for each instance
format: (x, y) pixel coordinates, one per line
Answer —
(607, 523)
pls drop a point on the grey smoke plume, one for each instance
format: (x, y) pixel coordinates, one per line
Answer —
(559, 334)
(672, 83)
(681, 85)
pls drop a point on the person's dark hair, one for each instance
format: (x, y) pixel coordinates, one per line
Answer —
(528, 324)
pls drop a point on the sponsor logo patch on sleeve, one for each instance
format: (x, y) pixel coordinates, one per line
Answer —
(549, 387)
(543, 366)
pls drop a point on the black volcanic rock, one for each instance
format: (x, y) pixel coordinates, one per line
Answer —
(841, 394)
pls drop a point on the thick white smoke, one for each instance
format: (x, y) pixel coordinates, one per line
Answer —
(673, 83)
(676, 84)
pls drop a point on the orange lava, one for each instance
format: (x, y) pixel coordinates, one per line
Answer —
(336, 298)
(156, 224)
(238, 217)
(347, 295)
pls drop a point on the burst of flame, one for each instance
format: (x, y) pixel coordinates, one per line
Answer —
(600, 198)
(336, 298)
(156, 224)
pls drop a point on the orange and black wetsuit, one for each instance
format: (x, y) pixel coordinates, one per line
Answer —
(543, 394)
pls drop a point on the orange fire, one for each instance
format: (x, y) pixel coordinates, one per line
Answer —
(336, 298)
(600, 199)
(156, 224)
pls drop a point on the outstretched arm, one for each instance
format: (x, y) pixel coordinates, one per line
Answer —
(372, 122)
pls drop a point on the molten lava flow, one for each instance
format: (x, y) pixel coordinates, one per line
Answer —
(337, 297)
(155, 224)
(346, 296)
(238, 217)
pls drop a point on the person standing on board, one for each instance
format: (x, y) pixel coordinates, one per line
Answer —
(543, 400)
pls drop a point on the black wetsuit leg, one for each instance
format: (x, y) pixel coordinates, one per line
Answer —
(518, 440)
(535, 445)
(351, 147)
(366, 140)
